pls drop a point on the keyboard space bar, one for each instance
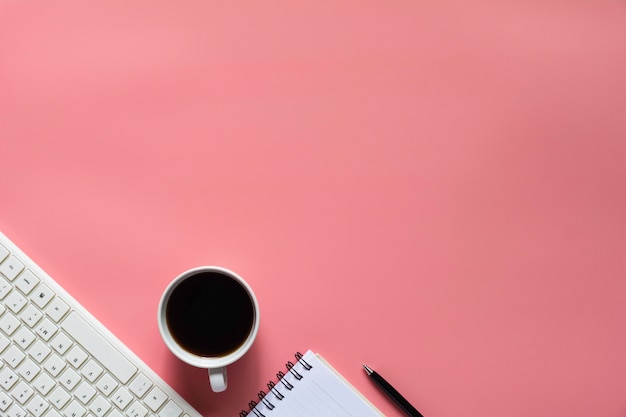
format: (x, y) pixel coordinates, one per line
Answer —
(102, 350)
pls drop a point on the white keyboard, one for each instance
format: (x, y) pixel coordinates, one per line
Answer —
(57, 360)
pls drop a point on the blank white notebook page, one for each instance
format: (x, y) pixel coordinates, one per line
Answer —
(312, 388)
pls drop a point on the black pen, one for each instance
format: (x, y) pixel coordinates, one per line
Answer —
(392, 393)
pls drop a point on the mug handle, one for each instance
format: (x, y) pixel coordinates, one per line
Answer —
(217, 378)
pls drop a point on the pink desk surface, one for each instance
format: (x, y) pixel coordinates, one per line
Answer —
(438, 190)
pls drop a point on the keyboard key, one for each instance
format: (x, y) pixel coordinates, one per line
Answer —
(57, 309)
(61, 343)
(37, 406)
(42, 295)
(8, 378)
(9, 324)
(76, 356)
(13, 356)
(171, 410)
(106, 384)
(27, 282)
(122, 398)
(28, 370)
(46, 329)
(140, 385)
(69, 379)
(100, 406)
(53, 413)
(22, 392)
(155, 399)
(54, 364)
(99, 347)
(31, 315)
(24, 337)
(15, 411)
(11, 267)
(115, 413)
(74, 410)
(4, 342)
(59, 397)
(91, 370)
(4, 252)
(5, 401)
(44, 383)
(84, 392)
(5, 288)
(39, 351)
(137, 410)
(15, 301)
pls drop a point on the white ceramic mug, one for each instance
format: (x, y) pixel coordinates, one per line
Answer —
(209, 317)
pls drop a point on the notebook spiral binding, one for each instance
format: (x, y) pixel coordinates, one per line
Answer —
(271, 387)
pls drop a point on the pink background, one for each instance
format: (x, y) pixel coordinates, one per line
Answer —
(438, 190)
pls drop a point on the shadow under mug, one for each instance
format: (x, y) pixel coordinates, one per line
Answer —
(209, 317)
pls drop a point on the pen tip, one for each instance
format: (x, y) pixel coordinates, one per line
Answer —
(368, 370)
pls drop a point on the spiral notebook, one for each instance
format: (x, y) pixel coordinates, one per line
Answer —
(310, 388)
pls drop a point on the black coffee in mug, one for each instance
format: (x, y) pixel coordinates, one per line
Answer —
(210, 314)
